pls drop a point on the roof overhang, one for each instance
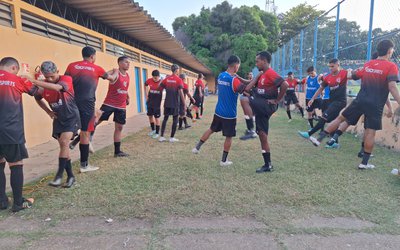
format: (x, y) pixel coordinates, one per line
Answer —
(129, 18)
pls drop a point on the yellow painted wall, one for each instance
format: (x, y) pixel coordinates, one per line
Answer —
(33, 49)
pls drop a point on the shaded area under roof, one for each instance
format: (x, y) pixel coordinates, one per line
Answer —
(129, 18)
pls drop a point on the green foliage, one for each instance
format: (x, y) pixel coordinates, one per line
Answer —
(217, 33)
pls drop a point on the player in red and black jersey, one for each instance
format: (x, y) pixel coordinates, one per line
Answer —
(12, 137)
(182, 104)
(264, 102)
(173, 86)
(154, 97)
(85, 76)
(337, 83)
(290, 96)
(378, 78)
(198, 96)
(115, 102)
(58, 91)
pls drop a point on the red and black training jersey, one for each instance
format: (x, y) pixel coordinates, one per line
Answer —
(337, 85)
(61, 102)
(185, 89)
(268, 84)
(11, 111)
(198, 84)
(155, 94)
(85, 76)
(375, 76)
(292, 84)
(118, 92)
(172, 84)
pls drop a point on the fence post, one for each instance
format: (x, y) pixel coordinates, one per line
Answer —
(277, 60)
(315, 43)
(291, 55)
(336, 52)
(283, 59)
(301, 53)
(371, 19)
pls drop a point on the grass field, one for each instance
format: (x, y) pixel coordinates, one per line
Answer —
(162, 179)
(356, 88)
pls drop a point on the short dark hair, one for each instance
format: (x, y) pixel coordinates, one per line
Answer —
(155, 73)
(290, 73)
(88, 52)
(384, 46)
(334, 61)
(9, 61)
(265, 55)
(374, 55)
(174, 67)
(200, 76)
(232, 60)
(182, 76)
(310, 69)
(121, 58)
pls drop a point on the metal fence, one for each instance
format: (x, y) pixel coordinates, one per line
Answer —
(348, 31)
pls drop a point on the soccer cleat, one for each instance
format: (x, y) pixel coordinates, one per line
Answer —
(151, 133)
(56, 182)
(88, 168)
(195, 151)
(173, 139)
(264, 169)
(155, 136)
(4, 204)
(333, 146)
(314, 141)
(249, 134)
(331, 142)
(121, 154)
(162, 139)
(180, 128)
(91, 149)
(187, 126)
(70, 181)
(26, 203)
(304, 134)
(225, 163)
(289, 121)
(368, 166)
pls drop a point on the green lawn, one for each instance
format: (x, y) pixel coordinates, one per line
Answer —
(163, 179)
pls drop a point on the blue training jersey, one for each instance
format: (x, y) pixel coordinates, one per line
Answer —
(312, 87)
(227, 97)
(327, 92)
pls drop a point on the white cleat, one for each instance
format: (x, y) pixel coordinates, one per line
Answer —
(368, 166)
(225, 163)
(151, 133)
(162, 139)
(195, 151)
(314, 141)
(88, 168)
(155, 136)
(173, 139)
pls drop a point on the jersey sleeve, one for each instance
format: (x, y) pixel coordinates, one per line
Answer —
(343, 78)
(39, 94)
(276, 79)
(101, 73)
(393, 73)
(358, 73)
(238, 86)
(146, 83)
(68, 70)
(25, 86)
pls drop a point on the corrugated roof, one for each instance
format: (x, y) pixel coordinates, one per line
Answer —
(130, 18)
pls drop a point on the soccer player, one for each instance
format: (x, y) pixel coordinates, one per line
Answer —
(229, 86)
(85, 77)
(337, 82)
(154, 97)
(290, 96)
(378, 78)
(173, 86)
(12, 137)
(59, 93)
(312, 85)
(250, 133)
(264, 102)
(198, 95)
(182, 104)
(116, 101)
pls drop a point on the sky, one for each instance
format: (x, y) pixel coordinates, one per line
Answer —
(387, 12)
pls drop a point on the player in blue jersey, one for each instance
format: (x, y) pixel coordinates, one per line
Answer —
(229, 87)
(312, 86)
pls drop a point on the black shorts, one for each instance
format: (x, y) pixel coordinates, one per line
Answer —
(263, 112)
(291, 97)
(333, 110)
(227, 126)
(86, 115)
(199, 101)
(372, 114)
(70, 125)
(119, 114)
(316, 105)
(13, 152)
(171, 111)
(154, 111)
(324, 105)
